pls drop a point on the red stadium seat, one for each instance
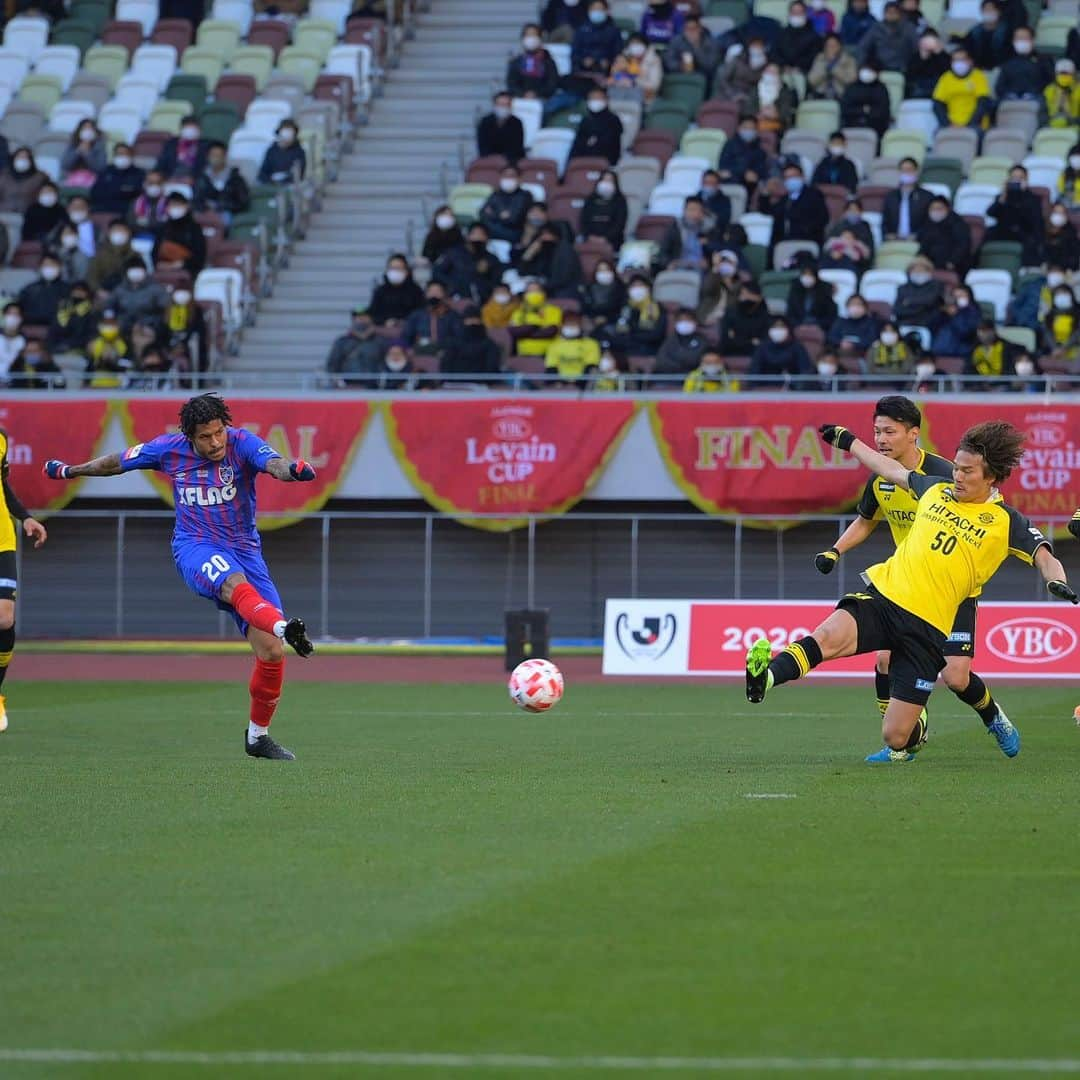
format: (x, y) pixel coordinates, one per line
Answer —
(178, 33)
(272, 32)
(123, 32)
(238, 90)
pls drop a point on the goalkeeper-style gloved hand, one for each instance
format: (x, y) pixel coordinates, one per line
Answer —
(826, 560)
(1063, 591)
(301, 470)
(56, 470)
(1074, 525)
(837, 436)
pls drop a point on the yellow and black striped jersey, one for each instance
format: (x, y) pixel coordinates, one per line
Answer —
(9, 506)
(883, 500)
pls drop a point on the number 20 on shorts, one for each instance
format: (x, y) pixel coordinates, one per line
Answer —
(214, 567)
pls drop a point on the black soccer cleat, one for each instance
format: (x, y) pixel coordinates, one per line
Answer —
(296, 636)
(265, 747)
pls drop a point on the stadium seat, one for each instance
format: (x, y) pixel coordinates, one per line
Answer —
(301, 63)
(684, 173)
(560, 53)
(1004, 255)
(880, 285)
(946, 171)
(884, 172)
(758, 228)
(43, 90)
(59, 60)
(820, 116)
(218, 36)
(991, 287)
(167, 116)
(316, 36)
(220, 119)
(1053, 142)
(157, 62)
(668, 116)
(629, 114)
(1044, 172)
(265, 116)
(109, 61)
(273, 33)
(137, 91)
(355, 61)
(121, 120)
(204, 61)
(638, 175)
(14, 67)
(335, 12)
(226, 286)
(917, 114)
(144, 12)
(23, 123)
(553, 143)
(893, 81)
(1005, 143)
(703, 143)
(637, 255)
(28, 35)
(804, 144)
(844, 283)
(684, 88)
(992, 171)
(127, 34)
(666, 201)
(682, 287)
(239, 12)
(736, 194)
(238, 91)
(1023, 336)
(786, 250)
(861, 147)
(69, 32)
(583, 172)
(86, 86)
(254, 60)
(178, 33)
(975, 198)
(958, 143)
(466, 199)
(1052, 33)
(657, 144)
(67, 115)
(1019, 116)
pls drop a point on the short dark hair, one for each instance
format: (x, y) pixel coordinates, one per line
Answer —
(1000, 444)
(203, 409)
(901, 409)
(217, 144)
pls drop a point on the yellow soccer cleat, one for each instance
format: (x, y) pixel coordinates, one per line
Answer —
(1076, 712)
(3, 714)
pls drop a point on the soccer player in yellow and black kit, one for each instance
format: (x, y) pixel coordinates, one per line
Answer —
(961, 534)
(10, 507)
(897, 421)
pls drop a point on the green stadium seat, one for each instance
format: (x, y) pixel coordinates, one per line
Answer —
(187, 87)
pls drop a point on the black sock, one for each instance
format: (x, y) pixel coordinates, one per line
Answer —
(881, 689)
(979, 698)
(795, 661)
(918, 733)
(7, 647)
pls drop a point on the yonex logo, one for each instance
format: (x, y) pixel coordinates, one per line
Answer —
(959, 637)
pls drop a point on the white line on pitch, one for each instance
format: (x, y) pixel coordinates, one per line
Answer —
(769, 795)
(614, 1063)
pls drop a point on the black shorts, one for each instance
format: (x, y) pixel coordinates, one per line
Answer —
(7, 575)
(917, 647)
(961, 642)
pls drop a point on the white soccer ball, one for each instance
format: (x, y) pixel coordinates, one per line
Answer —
(536, 685)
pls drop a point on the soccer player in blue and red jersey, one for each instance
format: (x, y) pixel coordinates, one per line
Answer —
(215, 545)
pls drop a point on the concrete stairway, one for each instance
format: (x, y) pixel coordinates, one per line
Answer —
(417, 128)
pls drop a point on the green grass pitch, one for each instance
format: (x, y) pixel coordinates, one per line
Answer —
(440, 873)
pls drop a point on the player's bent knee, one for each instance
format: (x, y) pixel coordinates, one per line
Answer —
(837, 635)
(7, 616)
(229, 584)
(957, 676)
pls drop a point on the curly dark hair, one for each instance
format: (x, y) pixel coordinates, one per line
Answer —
(204, 409)
(901, 409)
(1000, 444)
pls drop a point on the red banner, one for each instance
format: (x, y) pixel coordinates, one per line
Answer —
(324, 433)
(760, 457)
(1047, 483)
(511, 456)
(40, 430)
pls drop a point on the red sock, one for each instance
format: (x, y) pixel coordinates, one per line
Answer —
(265, 690)
(253, 609)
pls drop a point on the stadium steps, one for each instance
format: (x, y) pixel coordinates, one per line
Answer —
(392, 180)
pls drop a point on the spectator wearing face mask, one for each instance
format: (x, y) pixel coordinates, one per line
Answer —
(434, 328)
(358, 352)
(184, 155)
(661, 22)
(113, 253)
(45, 216)
(1060, 246)
(602, 298)
(962, 95)
(642, 324)
(743, 159)
(137, 296)
(501, 133)
(810, 300)
(693, 50)
(920, 301)
(802, 213)
(608, 377)
(956, 334)
(836, 167)
(779, 355)
(536, 323)
(397, 296)
(856, 23)
(638, 68)
(1017, 216)
(855, 331)
(107, 355)
(866, 103)
(285, 160)
(746, 324)
(118, 185)
(75, 322)
(989, 41)
(551, 259)
(890, 355)
(12, 341)
(85, 157)
(945, 237)
(889, 45)
(1026, 372)
(35, 369)
(40, 299)
(683, 244)
(182, 330)
(20, 182)
(710, 376)
(828, 367)
(506, 208)
(597, 41)
(926, 67)
(500, 308)
(772, 101)
(739, 74)
(1069, 183)
(475, 354)
(605, 211)
(470, 272)
(905, 208)
(444, 233)
(74, 265)
(1035, 297)
(991, 359)
(852, 222)
(78, 212)
(151, 371)
(560, 19)
(798, 42)
(1061, 328)
(832, 71)
(719, 288)
(714, 199)
(532, 73)
(600, 132)
(1063, 96)
(220, 187)
(180, 243)
(147, 212)
(1025, 75)
(682, 351)
(397, 369)
(573, 354)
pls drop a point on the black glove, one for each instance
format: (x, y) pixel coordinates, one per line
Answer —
(1074, 525)
(826, 560)
(1062, 590)
(837, 436)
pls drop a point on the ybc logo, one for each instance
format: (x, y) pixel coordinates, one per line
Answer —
(511, 428)
(650, 640)
(1031, 640)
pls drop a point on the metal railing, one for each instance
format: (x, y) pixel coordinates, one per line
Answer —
(422, 575)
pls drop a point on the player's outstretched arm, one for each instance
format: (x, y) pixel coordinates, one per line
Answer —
(109, 465)
(885, 467)
(280, 469)
(1049, 565)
